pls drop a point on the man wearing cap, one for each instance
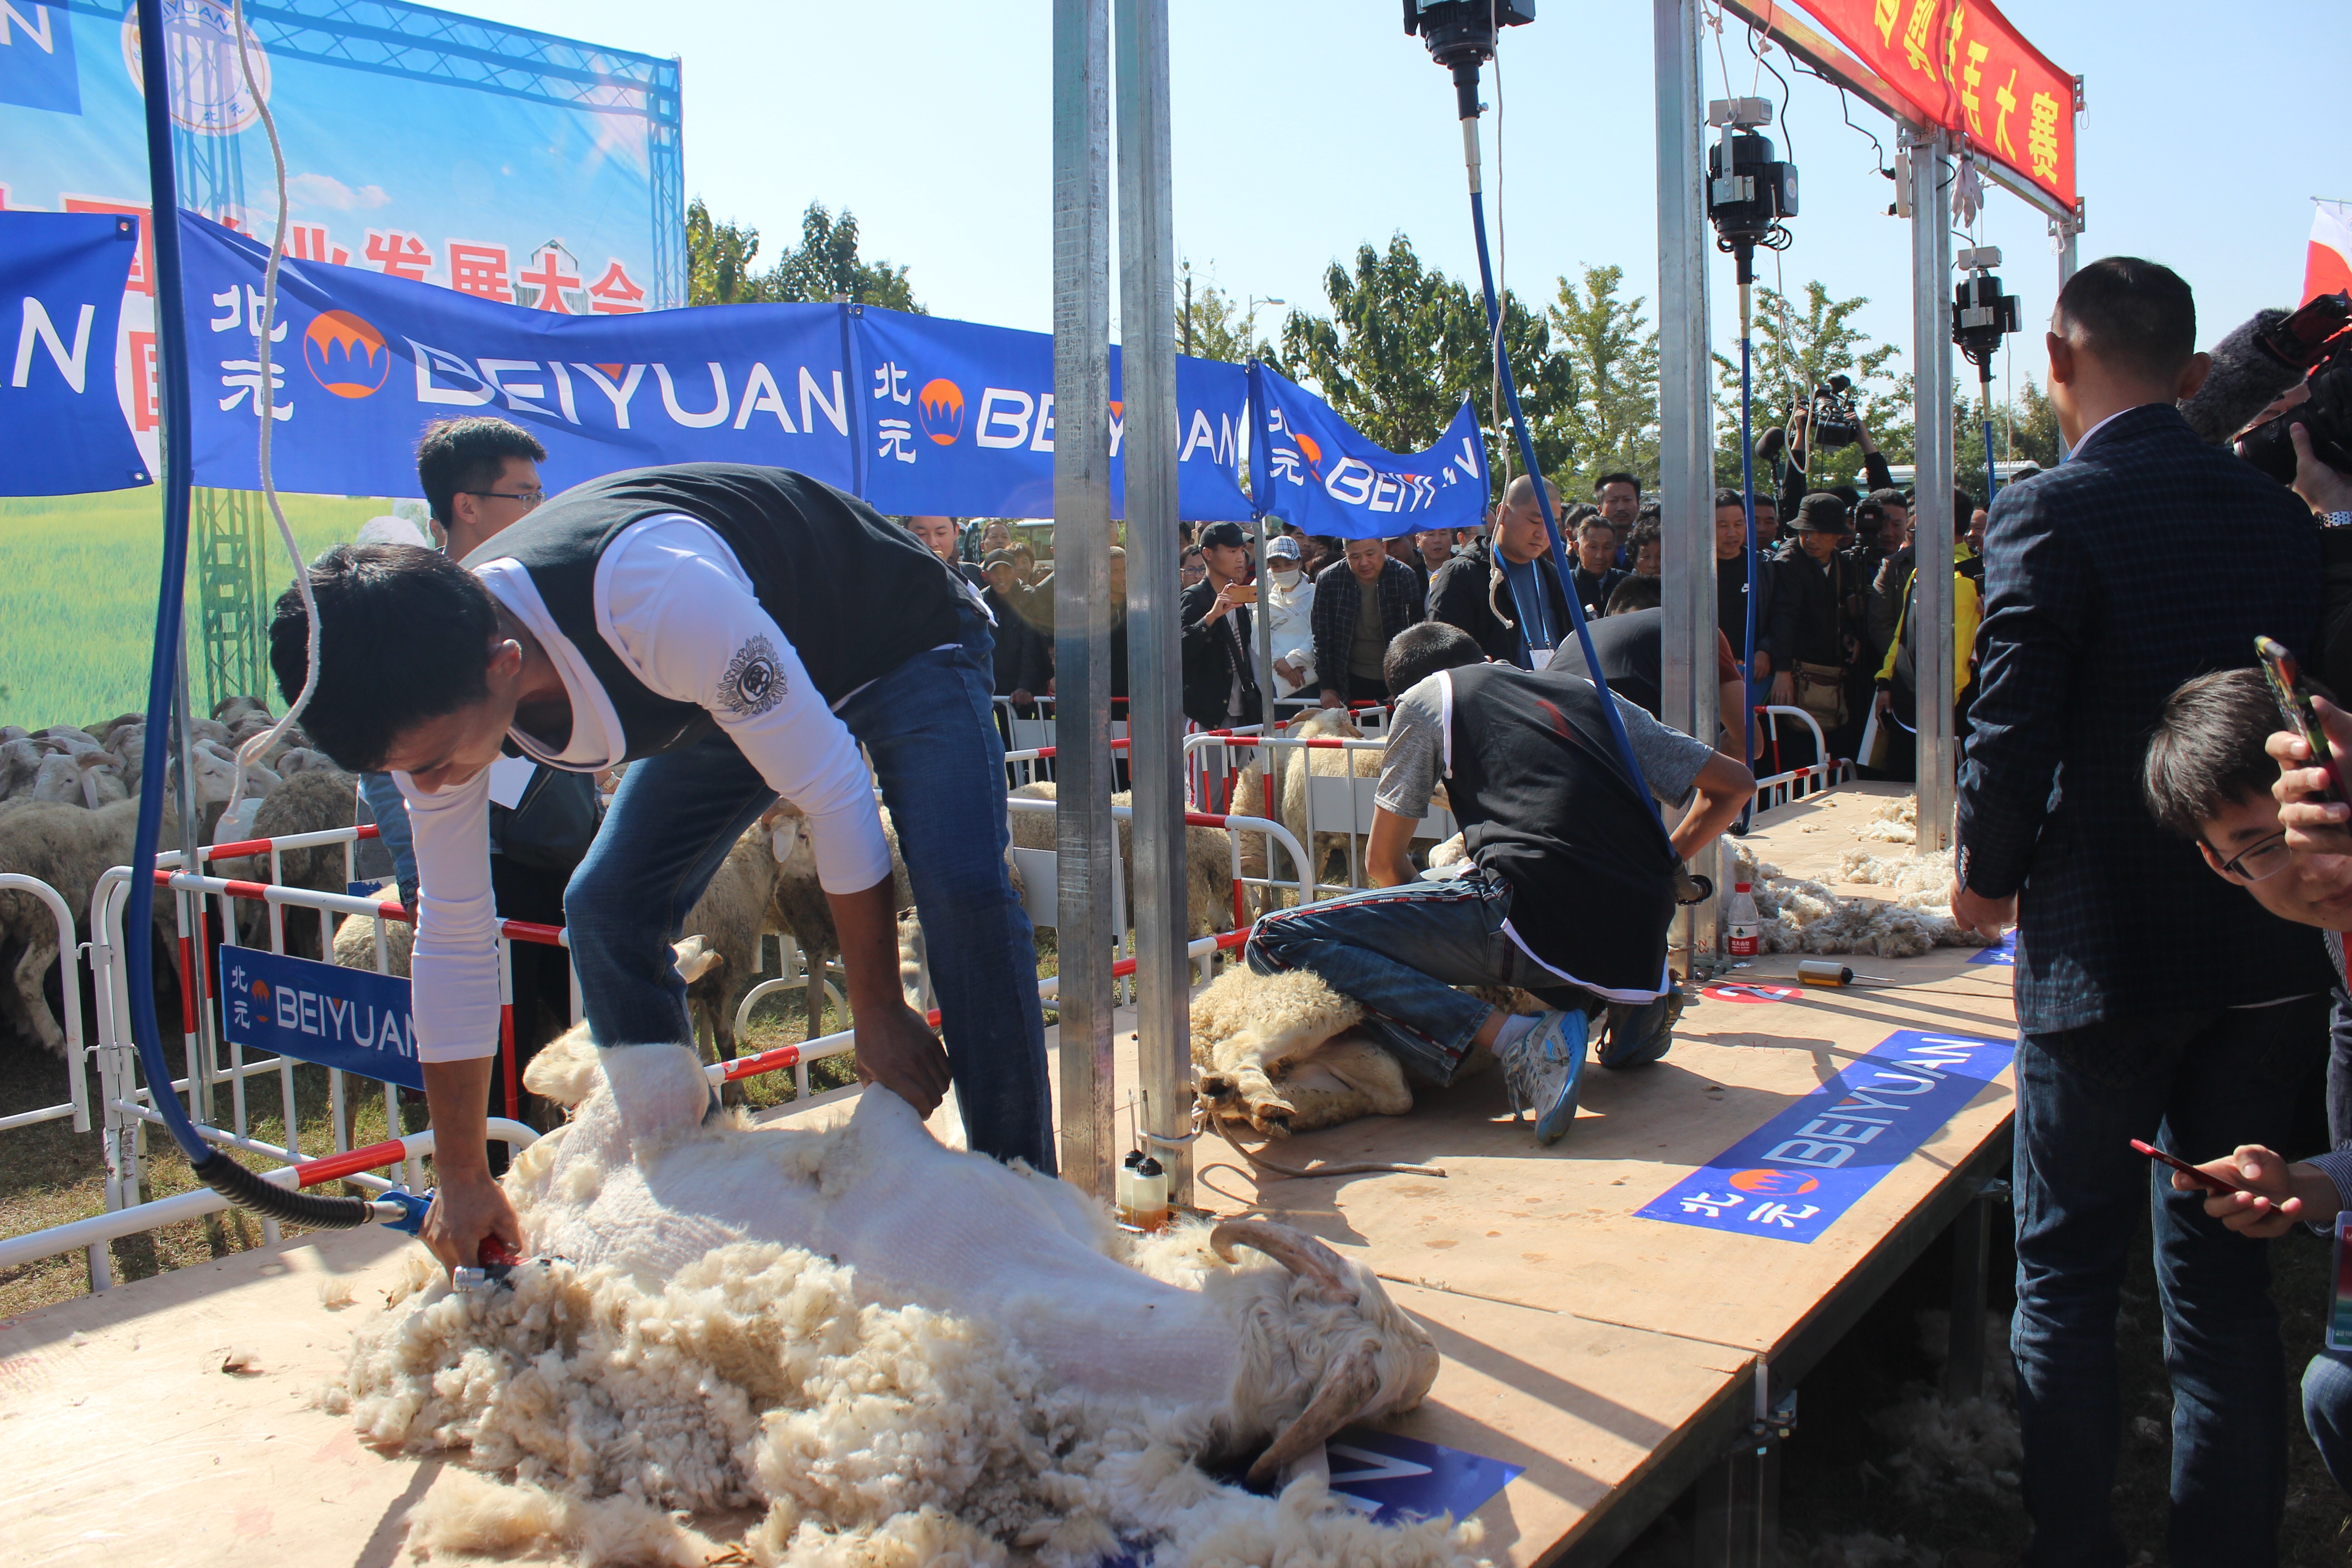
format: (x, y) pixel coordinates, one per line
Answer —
(1817, 594)
(1505, 590)
(1289, 599)
(1361, 602)
(1221, 685)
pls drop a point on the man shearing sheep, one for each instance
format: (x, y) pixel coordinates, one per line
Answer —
(735, 633)
(1556, 829)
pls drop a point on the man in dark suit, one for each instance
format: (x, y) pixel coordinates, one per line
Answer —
(2154, 1000)
(1361, 602)
(1220, 685)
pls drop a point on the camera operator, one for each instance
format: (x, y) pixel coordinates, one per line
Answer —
(1832, 417)
(2149, 992)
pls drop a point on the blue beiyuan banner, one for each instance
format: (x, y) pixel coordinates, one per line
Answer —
(938, 417)
(354, 1019)
(960, 422)
(1313, 469)
(1792, 1178)
(360, 363)
(61, 289)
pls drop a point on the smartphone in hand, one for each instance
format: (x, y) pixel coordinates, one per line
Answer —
(2205, 1179)
(2286, 683)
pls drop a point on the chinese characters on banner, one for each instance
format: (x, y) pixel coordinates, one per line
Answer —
(1963, 65)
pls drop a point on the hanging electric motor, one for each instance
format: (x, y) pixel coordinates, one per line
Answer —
(1461, 36)
(1981, 317)
(1748, 191)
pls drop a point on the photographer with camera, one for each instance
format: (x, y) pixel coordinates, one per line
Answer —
(2090, 627)
(1830, 420)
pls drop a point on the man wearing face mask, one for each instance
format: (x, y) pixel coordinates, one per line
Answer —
(1289, 606)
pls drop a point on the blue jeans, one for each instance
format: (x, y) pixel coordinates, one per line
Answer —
(2328, 1411)
(2197, 1086)
(929, 728)
(1400, 952)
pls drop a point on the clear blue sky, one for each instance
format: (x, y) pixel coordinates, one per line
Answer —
(1306, 127)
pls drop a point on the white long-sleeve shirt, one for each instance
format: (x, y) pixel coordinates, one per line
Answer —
(1293, 631)
(676, 607)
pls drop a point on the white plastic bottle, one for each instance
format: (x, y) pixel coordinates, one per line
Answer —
(1741, 923)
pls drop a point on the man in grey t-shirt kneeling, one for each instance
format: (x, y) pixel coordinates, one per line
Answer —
(1570, 887)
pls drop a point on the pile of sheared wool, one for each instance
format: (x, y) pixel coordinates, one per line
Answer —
(756, 1379)
(1896, 822)
(1805, 916)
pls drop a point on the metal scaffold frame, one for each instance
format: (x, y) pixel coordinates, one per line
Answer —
(1686, 413)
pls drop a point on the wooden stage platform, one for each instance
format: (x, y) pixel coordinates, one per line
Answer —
(1615, 1357)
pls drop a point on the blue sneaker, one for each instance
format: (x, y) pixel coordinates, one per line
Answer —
(1542, 1070)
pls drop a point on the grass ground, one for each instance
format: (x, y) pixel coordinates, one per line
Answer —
(78, 596)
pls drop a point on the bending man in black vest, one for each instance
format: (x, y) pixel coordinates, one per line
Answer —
(1570, 891)
(735, 634)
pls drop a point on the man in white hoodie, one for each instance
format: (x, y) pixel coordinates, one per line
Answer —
(1290, 600)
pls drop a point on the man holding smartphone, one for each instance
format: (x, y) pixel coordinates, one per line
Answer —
(1221, 684)
(2277, 833)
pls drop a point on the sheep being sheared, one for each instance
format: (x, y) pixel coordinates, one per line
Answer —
(1280, 1052)
(882, 1339)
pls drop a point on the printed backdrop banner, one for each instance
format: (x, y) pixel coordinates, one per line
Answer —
(960, 422)
(1966, 66)
(1315, 470)
(510, 165)
(62, 288)
(941, 417)
(360, 363)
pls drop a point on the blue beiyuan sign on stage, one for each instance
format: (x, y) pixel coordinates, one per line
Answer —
(1793, 1177)
(354, 1019)
(2003, 952)
(1394, 1478)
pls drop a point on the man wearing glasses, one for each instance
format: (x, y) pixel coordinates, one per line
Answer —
(480, 476)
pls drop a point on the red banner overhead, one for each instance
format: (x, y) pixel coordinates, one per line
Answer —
(1962, 65)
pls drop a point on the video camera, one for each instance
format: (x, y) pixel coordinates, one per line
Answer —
(2314, 337)
(1832, 422)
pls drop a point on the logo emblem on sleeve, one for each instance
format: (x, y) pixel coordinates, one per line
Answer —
(754, 681)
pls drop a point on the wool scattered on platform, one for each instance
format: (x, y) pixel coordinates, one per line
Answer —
(756, 1380)
(1804, 916)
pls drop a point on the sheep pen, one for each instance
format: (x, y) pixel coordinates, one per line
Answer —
(894, 1352)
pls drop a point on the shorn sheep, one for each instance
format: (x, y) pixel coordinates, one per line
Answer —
(899, 1352)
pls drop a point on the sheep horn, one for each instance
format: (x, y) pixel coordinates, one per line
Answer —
(1352, 1381)
(1296, 1250)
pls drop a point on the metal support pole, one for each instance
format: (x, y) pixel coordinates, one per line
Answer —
(1147, 291)
(1931, 509)
(1736, 1520)
(1685, 409)
(2067, 234)
(1082, 583)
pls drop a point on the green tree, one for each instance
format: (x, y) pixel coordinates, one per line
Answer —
(1404, 344)
(824, 265)
(1611, 411)
(719, 259)
(1210, 324)
(1796, 350)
